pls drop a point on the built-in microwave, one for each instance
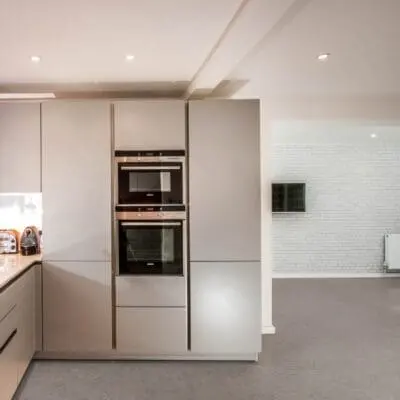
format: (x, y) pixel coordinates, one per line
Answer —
(151, 242)
(150, 177)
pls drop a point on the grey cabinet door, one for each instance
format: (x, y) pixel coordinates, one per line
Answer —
(77, 306)
(20, 147)
(224, 180)
(225, 307)
(149, 124)
(76, 173)
(152, 330)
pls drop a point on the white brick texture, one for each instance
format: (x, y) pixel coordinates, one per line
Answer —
(352, 200)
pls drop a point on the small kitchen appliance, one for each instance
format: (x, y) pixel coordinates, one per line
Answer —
(153, 178)
(30, 241)
(8, 241)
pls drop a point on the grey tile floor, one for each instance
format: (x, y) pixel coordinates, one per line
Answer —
(336, 340)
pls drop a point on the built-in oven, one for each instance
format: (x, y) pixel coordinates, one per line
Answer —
(151, 242)
(150, 177)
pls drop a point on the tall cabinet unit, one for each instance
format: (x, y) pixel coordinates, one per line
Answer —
(20, 147)
(225, 226)
(151, 310)
(76, 181)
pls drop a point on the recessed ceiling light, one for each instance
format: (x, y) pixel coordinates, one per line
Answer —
(129, 57)
(323, 56)
(374, 135)
(35, 59)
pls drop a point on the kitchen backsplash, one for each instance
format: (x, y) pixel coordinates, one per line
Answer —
(18, 210)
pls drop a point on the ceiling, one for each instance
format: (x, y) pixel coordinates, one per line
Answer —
(86, 41)
(361, 35)
(254, 48)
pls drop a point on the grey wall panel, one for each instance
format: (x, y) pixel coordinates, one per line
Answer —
(149, 124)
(20, 147)
(226, 307)
(76, 173)
(224, 177)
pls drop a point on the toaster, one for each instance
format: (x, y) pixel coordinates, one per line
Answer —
(8, 241)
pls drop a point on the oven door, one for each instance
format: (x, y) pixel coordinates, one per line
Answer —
(151, 247)
(150, 183)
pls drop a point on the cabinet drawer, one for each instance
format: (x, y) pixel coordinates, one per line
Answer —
(8, 299)
(8, 356)
(151, 330)
(10, 296)
(153, 291)
(8, 325)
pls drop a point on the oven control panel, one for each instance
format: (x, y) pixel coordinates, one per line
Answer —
(142, 213)
(150, 215)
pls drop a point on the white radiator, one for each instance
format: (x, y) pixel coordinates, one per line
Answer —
(392, 253)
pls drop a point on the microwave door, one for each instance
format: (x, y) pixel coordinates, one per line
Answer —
(150, 185)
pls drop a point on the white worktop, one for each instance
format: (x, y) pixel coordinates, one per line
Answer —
(12, 265)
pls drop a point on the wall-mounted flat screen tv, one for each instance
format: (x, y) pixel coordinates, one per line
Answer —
(288, 197)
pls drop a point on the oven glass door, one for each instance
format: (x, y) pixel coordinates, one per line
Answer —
(150, 183)
(151, 248)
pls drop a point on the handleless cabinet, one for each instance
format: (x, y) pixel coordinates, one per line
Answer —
(225, 307)
(26, 335)
(149, 125)
(77, 306)
(76, 178)
(152, 330)
(17, 331)
(20, 147)
(224, 180)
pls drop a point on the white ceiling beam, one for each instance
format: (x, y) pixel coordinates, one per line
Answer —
(249, 27)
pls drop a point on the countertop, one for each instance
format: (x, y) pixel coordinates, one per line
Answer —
(13, 265)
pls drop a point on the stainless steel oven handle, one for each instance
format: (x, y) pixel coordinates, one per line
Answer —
(150, 223)
(150, 168)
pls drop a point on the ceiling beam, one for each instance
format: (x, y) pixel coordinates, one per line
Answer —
(245, 34)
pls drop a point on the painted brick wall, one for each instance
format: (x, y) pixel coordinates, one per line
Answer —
(353, 195)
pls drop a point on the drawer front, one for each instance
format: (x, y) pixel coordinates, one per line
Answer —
(8, 325)
(8, 358)
(10, 296)
(8, 300)
(151, 330)
(154, 291)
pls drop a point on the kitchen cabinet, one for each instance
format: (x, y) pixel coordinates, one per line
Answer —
(26, 327)
(9, 368)
(224, 180)
(225, 307)
(17, 332)
(38, 308)
(76, 174)
(20, 148)
(150, 291)
(149, 125)
(77, 306)
(158, 331)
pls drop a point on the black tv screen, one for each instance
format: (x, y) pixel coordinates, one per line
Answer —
(288, 197)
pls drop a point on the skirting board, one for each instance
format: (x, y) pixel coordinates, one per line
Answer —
(268, 330)
(114, 356)
(332, 275)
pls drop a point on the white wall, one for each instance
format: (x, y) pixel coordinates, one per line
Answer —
(353, 194)
(376, 110)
